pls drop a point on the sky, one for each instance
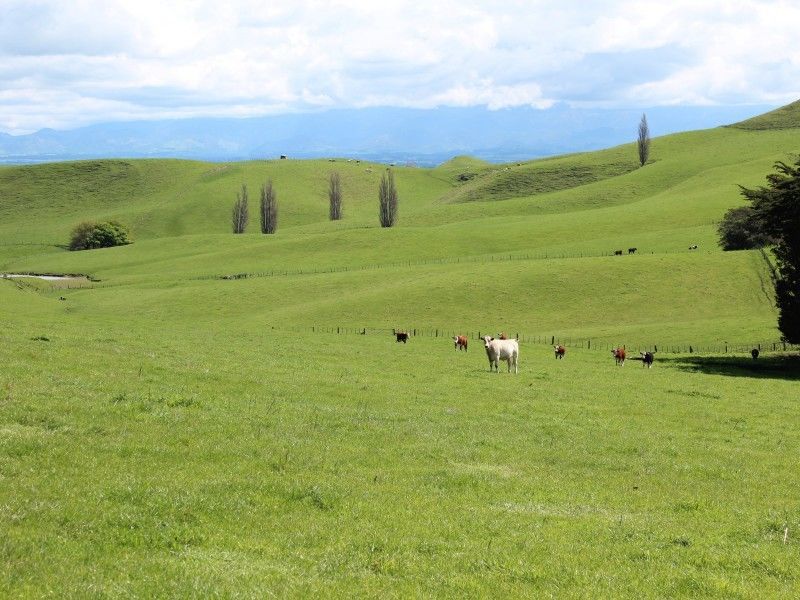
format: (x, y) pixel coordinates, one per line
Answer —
(69, 63)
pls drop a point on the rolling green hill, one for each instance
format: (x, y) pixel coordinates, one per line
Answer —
(219, 415)
(785, 117)
(469, 225)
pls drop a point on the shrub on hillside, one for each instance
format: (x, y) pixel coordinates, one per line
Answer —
(742, 229)
(90, 234)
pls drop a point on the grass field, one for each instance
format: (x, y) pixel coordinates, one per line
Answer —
(166, 432)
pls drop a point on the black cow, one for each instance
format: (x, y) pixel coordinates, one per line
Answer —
(754, 353)
(647, 359)
(402, 336)
(617, 252)
(631, 250)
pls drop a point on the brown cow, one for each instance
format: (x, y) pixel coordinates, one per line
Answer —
(460, 342)
(619, 356)
(560, 351)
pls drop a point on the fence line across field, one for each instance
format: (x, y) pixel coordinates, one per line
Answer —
(551, 340)
(427, 262)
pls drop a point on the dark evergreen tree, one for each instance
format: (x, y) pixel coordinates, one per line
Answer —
(778, 207)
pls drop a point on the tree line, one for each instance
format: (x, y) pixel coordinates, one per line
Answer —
(268, 205)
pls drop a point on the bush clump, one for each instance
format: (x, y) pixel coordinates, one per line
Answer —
(90, 234)
(742, 229)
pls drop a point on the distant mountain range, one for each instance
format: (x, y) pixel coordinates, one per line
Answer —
(423, 137)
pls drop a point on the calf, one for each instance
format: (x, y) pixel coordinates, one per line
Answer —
(402, 336)
(619, 356)
(497, 350)
(647, 359)
(460, 342)
(754, 353)
(560, 351)
(502, 336)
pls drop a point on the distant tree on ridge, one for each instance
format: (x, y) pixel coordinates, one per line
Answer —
(643, 141)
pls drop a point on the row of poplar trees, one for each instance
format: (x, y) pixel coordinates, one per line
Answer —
(268, 207)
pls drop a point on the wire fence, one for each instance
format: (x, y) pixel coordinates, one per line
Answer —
(493, 258)
(552, 340)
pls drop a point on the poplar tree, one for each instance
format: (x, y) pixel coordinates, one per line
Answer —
(269, 208)
(643, 142)
(335, 197)
(387, 200)
(240, 211)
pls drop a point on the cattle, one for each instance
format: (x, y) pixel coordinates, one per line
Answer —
(632, 250)
(460, 342)
(647, 359)
(619, 356)
(617, 252)
(693, 247)
(560, 351)
(502, 336)
(754, 353)
(283, 157)
(497, 350)
(402, 336)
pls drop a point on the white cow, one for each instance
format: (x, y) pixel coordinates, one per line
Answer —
(497, 350)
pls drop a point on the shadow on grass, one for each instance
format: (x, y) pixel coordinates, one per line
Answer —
(780, 366)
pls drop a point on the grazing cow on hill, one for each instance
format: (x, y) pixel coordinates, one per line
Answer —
(647, 359)
(617, 252)
(619, 356)
(632, 250)
(560, 351)
(502, 336)
(754, 353)
(460, 342)
(693, 247)
(402, 336)
(497, 350)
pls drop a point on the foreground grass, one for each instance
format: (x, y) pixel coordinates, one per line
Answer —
(153, 462)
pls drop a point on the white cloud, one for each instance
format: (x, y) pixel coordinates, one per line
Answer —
(65, 64)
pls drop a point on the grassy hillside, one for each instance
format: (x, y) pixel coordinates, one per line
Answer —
(190, 424)
(785, 117)
(521, 224)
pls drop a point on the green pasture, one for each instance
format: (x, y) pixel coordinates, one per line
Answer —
(196, 459)
(187, 423)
